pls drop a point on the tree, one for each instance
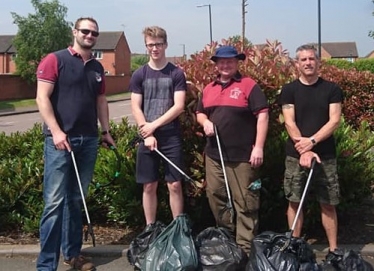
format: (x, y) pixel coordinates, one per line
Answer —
(138, 61)
(371, 32)
(39, 34)
(238, 39)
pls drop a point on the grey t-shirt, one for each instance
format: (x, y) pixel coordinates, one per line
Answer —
(157, 88)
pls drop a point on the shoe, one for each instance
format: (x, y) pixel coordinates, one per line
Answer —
(80, 263)
(149, 227)
(67, 262)
(335, 256)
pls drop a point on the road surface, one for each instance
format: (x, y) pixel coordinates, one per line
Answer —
(23, 122)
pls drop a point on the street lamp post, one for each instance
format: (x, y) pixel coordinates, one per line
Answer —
(184, 51)
(319, 30)
(210, 20)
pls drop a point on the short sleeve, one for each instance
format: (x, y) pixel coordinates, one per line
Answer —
(180, 81)
(336, 95)
(47, 69)
(257, 100)
(286, 96)
(136, 81)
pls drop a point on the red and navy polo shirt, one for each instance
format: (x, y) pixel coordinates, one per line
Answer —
(233, 108)
(77, 84)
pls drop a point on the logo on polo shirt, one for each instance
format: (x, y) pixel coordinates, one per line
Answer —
(235, 93)
(98, 77)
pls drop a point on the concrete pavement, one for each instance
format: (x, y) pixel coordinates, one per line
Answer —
(121, 250)
(8, 250)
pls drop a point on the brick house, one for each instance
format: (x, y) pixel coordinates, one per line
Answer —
(111, 49)
(7, 53)
(332, 50)
(370, 55)
(339, 50)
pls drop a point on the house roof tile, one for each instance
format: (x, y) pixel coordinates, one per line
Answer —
(108, 40)
(6, 42)
(340, 49)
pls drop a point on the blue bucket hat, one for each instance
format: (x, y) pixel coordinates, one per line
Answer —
(227, 52)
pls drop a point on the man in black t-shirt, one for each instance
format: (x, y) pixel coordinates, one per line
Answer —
(157, 99)
(311, 108)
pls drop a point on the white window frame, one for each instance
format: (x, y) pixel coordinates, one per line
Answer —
(98, 54)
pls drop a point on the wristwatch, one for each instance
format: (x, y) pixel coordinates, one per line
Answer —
(104, 132)
(313, 140)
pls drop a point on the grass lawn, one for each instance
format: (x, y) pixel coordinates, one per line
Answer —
(10, 104)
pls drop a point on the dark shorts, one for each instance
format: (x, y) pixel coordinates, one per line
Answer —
(148, 162)
(324, 184)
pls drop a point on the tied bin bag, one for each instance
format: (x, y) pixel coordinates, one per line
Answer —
(139, 246)
(173, 249)
(350, 261)
(217, 250)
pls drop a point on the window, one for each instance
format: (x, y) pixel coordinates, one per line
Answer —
(13, 57)
(98, 54)
(350, 59)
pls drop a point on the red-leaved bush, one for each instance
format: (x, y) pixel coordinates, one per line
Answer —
(271, 67)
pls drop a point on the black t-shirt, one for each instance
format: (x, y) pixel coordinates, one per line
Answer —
(312, 112)
(157, 88)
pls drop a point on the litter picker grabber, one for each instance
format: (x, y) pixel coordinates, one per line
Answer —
(289, 234)
(188, 178)
(89, 228)
(271, 250)
(229, 201)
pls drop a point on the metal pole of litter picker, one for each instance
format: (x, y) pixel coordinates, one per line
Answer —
(90, 229)
(174, 165)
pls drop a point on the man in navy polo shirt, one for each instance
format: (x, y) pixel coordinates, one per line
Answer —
(71, 98)
(238, 108)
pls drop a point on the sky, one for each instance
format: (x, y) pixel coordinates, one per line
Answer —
(291, 22)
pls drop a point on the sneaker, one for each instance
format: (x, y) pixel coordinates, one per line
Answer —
(335, 256)
(67, 262)
(80, 263)
(149, 227)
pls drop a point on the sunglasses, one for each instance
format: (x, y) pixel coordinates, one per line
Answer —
(87, 31)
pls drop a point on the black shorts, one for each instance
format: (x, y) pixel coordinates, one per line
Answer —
(148, 162)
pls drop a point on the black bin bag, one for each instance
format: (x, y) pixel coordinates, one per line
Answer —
(278, 252)
(351, 261)
(173, 249)
(272, 251)
(139, 246)
(217, 250)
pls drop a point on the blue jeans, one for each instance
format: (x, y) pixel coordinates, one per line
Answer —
(61, 222)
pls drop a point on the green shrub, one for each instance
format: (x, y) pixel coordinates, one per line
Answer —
(21, 173)
(365, 64)
(340, 63)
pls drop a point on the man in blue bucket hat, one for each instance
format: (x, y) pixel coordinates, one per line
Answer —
(235, 107)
